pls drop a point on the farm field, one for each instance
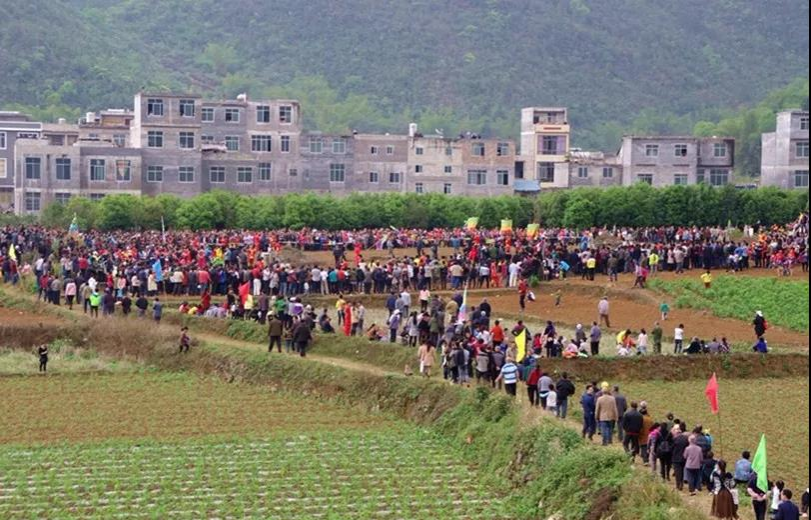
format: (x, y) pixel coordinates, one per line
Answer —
(749, 407)
(784, 302)
(154, 445)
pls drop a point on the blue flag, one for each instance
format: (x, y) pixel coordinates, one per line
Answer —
(158, 269)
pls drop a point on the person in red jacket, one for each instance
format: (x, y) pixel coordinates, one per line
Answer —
(532, 385)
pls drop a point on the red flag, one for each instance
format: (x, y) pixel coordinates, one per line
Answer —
(347, 320)
(712, 393)
(244, 290)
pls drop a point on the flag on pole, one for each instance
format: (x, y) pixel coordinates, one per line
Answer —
(506, 225)
(244, 291)
(163, 229)
(472, 223)
(532, 230)
(74, 225)
(759, 465)
(158, 269)
(463, 307)
(712, 393)
(12, 253)
(521, 345)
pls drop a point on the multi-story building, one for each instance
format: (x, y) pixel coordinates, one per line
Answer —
(13, 126)
(784, 155)
(381, 162)
(674, 160)
(591, 169)
(545, 141)
(327, 163)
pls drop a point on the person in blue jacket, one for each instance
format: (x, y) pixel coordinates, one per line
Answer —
(589, 405)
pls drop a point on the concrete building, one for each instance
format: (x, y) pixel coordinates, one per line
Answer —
(381, 163)
(677, 160)
(13, 126)
(327, 164)
(784, 156)
(545, 142)
(591, 169)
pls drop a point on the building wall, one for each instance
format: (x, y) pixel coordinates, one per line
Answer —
(315, 167)
(666, 167)
(779, 160)
(382, 163)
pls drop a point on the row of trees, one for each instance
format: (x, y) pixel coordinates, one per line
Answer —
(639, 205)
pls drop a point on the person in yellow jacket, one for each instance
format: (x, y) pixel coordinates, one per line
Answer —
(706, 279)
(591, 267)
(653, 262)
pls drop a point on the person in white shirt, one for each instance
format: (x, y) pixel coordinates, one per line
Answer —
(406, 297)
(642, 342)
(513, 270)
(552, 400)
(678, 338)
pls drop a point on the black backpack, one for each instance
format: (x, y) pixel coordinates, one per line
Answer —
(664, 448)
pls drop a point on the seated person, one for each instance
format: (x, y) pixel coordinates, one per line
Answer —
(374, 333)
(695, 347)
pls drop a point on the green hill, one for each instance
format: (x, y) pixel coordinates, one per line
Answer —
(376, 64)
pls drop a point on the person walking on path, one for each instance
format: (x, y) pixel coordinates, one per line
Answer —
(302, 335)
(656, 336)
(565, 389)
(426, 357)
(632, 423)
(678, 339)
(602, 310)
(760, 500)
(759, 324)
(622, 407)
(693, 457)
(588, 404)
(275, 331)
(787, 510)
(606, 414)
(722, 485)
(680, 444)
(42, 351)
(185, 340)
(594, 338)
(509, 374)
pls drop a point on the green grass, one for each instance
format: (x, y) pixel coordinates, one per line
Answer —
(63, 358)
(784, 302)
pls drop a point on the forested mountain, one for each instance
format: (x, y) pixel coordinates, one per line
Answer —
(377, 64)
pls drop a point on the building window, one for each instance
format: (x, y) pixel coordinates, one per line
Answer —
(338, 146)
(394, 178)
(185, 174)
(316, 145)
(503, 178)
(801, 179)
(285, 140)
(120, 140)
(680, 150)
(3, 169)
(186, 140)
(546, 172)
(374, 177)
(154, 107)
(261, 143)
(448, 151)
(32, 201)
(447, 188)
(154, 174)
(582, 172)
(61, 198)
(503, 149)
(803, 124)
(373, 150)
(207, 114)
(719, 177)
(265, 171)
(154, 139)
(419, 150)
(337, 172)
(232, 115)
(449, 169)
(419, 188)
(651, 150)
(2, 140)
(477, 149)
(700, 176)
(608, 173)
(206, 139)
(680, 179)
(285, 114)
(417, 168)
(263, 114)
(216, 174)
(389, 150)
(97, 168)
(95, 197)
(801, 149)
(62, 169)
(244, 174)
(292, 172)
(719, 150)
(186, 108)
(647, 178)
(232, 143)
(123, 170)
(477, 177)
(553, 144)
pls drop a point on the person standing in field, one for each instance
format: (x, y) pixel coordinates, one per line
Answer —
(706, 279)
(509, 375)
(523, 289)
(721, 486)
(594, 338)
(70, 292)
(426, 357)
(157, 310)
(678, 339)
(302, 335)
(602, 310)
(656, 336)
(664, 310)
(275, 331)
(760, 324)
(693, 457)
(588, 403)
(42, 351)
(95, 303)
(185, 340)
(606, 414)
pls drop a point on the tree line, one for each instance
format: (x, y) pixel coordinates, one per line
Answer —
(639, 205)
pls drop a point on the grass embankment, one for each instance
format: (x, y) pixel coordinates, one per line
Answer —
(543, 469)
(784, 302)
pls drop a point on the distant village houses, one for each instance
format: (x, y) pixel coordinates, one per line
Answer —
(186, 145)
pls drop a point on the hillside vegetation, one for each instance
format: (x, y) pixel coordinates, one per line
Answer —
(377, 64)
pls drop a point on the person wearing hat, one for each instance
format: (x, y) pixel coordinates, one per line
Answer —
(759, 324)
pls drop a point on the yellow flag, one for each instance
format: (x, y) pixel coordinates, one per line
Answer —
(12, 253)
(532, 230)
(506, 225)
(521, 345)
(471, 223)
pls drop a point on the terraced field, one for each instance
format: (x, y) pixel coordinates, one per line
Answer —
(189, 448)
